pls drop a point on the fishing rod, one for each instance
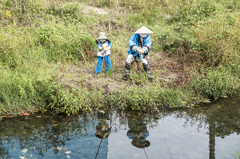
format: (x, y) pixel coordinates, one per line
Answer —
(91, 34)
(145, 152)
(98, 148)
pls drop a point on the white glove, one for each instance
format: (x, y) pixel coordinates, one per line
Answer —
(100, 48)
(106, 48)
(135, 48)
(145, 49)
(141, 51)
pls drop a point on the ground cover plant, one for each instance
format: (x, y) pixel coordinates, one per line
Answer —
(48, 54)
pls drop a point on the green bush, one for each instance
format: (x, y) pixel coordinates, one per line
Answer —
(232, 5)
(17, 92)
(216, 83)
(10, 47)
(189, 12)
(211, 41)
(64, 43)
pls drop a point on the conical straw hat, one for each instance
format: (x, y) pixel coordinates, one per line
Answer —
(102, 35)
(143, 30)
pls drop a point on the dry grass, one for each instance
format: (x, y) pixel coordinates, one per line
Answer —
(168, 70)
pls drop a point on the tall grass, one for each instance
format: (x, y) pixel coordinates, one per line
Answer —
(216, 83)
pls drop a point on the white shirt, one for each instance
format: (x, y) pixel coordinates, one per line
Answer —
(103, 52)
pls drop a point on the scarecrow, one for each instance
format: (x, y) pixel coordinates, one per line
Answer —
(104, 45)
(139, 46)
(103, 128)
(137, 131)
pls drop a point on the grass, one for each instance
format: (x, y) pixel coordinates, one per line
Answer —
(48, 54)
(237, 155)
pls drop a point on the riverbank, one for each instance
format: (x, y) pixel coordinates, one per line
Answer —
(48, 56)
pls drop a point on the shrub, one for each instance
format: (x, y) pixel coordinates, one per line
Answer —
(189, 12)
(216, 83)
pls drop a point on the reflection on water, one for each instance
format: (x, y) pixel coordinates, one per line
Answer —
(103, 128)
(137, 130)
(210, 131)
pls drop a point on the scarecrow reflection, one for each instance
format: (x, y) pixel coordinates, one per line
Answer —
(137, 130)
(103, 128)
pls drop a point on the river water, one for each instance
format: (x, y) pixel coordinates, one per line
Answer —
(209, 131)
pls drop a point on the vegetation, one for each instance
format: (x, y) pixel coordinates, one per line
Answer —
(237, 154)
(48, 54)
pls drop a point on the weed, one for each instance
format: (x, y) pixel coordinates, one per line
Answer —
(237, 153)
(216, 83)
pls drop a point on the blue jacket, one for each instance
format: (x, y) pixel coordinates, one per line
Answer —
(130, 136)
(133, 41)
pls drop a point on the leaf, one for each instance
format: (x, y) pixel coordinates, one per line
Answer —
(26, 114)
(184, 102)
(38, 116)
(207, 101)
(55, 124)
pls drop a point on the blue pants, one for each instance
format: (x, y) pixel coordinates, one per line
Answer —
(107, 63)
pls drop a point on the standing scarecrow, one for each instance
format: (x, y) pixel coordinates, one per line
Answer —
(104, 45)
(103, 128)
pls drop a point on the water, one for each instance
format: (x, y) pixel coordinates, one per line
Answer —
(209, 131)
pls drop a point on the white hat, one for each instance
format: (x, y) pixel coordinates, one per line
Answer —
(143, 30)
(102, 35)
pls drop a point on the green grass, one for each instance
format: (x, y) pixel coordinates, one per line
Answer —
(237, 155)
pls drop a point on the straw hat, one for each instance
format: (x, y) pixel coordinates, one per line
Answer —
(143, 30)
(140, 143)
(103, 134)
(101, 36)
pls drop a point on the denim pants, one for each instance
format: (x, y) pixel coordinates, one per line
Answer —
(107, 63)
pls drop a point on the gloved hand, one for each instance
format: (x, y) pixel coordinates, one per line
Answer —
(106, 48)
(135, 48)
(141, 51)
(145, 49)
(100, 48)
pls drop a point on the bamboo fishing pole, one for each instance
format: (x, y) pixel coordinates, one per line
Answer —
(145, 152)
(98, 148)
